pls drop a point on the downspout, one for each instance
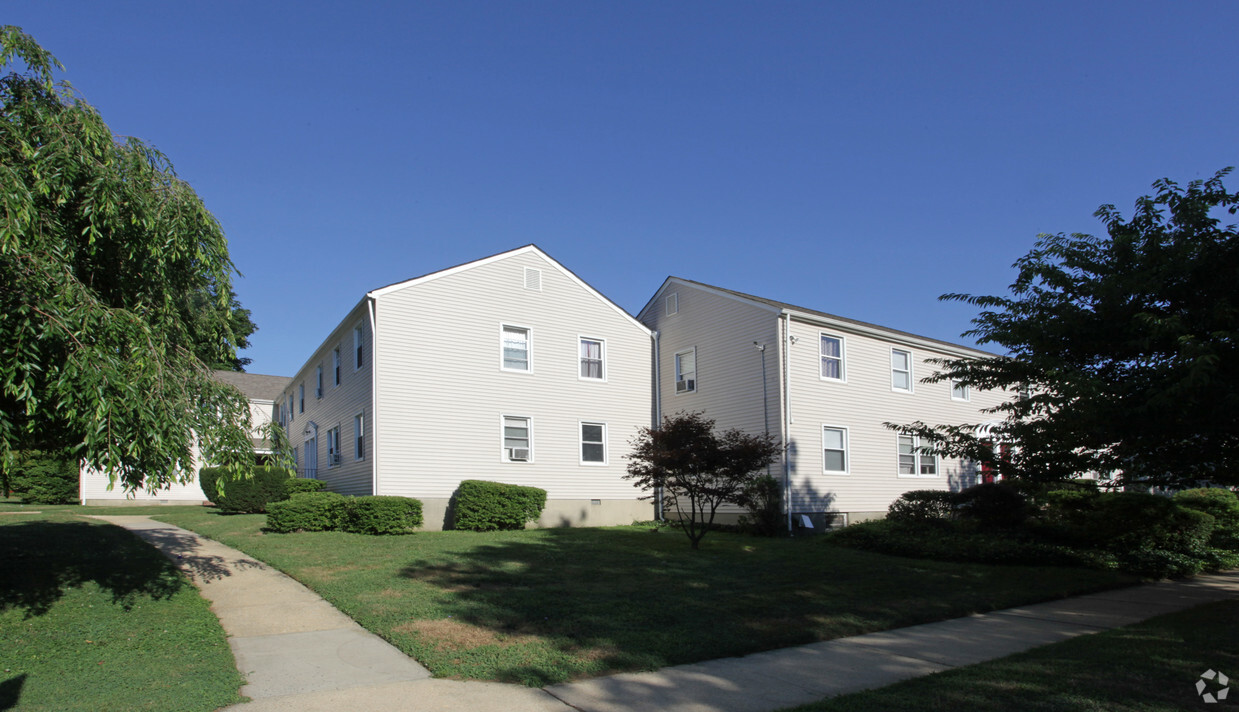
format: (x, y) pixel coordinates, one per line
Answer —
(658, 417)
(787, 417)
(374, 397)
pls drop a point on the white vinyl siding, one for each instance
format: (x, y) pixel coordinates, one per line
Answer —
(515, 351)
(686, 371)
(593, 363)
(834, 450)
(517, 439)
(901, 370)
(832, 353)
(593, 443)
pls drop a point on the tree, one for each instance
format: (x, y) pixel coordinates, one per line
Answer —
(696, 469)
(115, 292)
(1123, 351)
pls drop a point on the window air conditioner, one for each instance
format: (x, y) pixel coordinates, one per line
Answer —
(335, 458)
(520, 454)
(685, 385)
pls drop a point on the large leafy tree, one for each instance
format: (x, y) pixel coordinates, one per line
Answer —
(1122, 351)
(115, 291)
(697, 469)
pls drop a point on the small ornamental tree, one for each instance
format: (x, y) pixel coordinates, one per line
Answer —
(696, 469)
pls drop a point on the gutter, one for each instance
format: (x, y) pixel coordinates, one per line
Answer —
(785, 365)
(374, 395)
(658, 416)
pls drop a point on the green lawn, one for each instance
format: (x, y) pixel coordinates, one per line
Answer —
(91, 618)
(1149, 667)
(543, 606)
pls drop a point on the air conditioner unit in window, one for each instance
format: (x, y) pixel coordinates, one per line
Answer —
(334, 457)
(518, 454)
(688, 384)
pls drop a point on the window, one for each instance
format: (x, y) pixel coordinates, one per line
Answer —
(901, 370)
(333, 447)
(959, 391)
(358, 361)
(515, 348)
(913, 462)
(593, 444)
(673, 304)
(832, 357)
(301, 398)
(834, 449)
(517, 443)
(686, 371)
(278, 414)
(335, 366)
(318, 382)
(290, 407)
(359, 436)
(591, 359)
(533, 279)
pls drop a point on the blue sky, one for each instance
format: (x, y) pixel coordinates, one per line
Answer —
(856, 158)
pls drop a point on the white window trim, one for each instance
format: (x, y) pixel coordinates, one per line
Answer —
(318, 383)
(359, 414)
(291, 413)
(503, 447)
(916, 462)
(301, 397)
(357, 344)
(911, 364)
(606, 451)
(847, 455)
(672, 304)
(843, 358)
(967, 392)
(603, 348)
(675, 371)
(528, 347)
(336, 365)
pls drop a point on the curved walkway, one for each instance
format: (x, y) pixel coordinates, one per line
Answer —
(297, 652)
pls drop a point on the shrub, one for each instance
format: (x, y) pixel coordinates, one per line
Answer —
(380, 515)
(1221, 503)
(922, 505)
(45, 478)
(763, 498)
(992, 504)
(306, 511)
(955, 540)
(244, 494)
(486, 506)
(299, 485)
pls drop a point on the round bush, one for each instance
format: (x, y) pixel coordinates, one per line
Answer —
(306, 511)
(244, 494)
(45, 478)
(922, 505)
(1221, 503)
(381, 515)
(486, 506)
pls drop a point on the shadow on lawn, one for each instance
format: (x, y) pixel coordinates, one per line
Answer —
(43, 559)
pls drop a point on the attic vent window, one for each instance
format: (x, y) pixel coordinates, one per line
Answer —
(673, 303)
(533, 279)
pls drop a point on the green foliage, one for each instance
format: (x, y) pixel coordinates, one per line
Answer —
(306, 511)
(115, 292)
(383, 515)
(696, 469)
(992, 504)
(1221, 503)
(44, 478)
(250, 493)
(482, 506)
(1122, 352)
(763, 498)
(957, 540)
(299, 485)
(922, 505)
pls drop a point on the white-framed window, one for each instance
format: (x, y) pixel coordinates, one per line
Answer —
(301, 398)
(517, 439)
(593, 443)
(832, 357)
(333, 447)
(359, 436)
(834, 450)
(335, 367)
(290, 407)
(673, 303)
(901, 370)
(686, 371)
(959, 391)
(593, 367)
(913, 462)
(318, 381)
(515, 349)
(278, 415)
(358, 348)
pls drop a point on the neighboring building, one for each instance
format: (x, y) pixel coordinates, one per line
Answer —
(822, 384)
(509, 368)
(259, 389)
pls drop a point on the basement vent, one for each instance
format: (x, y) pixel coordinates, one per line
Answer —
(533, 279)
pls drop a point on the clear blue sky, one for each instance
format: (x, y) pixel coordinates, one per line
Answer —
(857, 158)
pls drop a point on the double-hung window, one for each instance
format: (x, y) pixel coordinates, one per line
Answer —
(290, 407)
(515, 347)
(301, 398)
(959, 391)
(912, 461)
(593, 444)
(318, 381)
(591, 359)
(686, 371)
(832, 357)
(901, 370)
(358, 360)
(834, 449)
(335, 366)
(359, 436)
(333, 447)
(517, 440)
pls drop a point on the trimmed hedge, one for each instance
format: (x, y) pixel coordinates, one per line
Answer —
(250, 495)
(380, 515)
(44, 478)
(992, 504)
(306, 511)
(299, 485)
(486, 506)
(1221, 503)
(922, 505)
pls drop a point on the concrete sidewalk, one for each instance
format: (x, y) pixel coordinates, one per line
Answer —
(299, 653)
